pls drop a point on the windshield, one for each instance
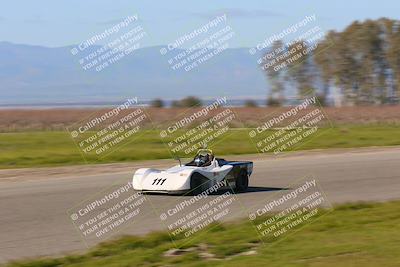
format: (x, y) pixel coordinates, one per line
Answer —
(202, 159)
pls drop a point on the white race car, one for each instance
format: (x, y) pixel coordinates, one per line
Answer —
(203, 172)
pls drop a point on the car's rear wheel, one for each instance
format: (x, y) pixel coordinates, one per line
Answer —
(242, 181)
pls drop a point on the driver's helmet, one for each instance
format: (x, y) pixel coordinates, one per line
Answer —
(200, 160)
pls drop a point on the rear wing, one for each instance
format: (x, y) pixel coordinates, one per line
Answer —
(248, 165)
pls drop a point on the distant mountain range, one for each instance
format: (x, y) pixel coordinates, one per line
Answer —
(35, 75)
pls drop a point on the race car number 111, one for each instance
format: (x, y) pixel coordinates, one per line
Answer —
(158, 181)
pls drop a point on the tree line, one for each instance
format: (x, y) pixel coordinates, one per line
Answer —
(358, 66)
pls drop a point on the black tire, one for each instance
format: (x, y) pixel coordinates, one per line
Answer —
(198, 184)
(242, 181)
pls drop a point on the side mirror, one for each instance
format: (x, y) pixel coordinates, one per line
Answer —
(179, 159)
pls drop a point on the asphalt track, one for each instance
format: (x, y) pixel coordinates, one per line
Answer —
(34, 219)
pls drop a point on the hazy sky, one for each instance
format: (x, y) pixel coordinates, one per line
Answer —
(60, 23)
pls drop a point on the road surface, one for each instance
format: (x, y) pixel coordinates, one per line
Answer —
(34, 219)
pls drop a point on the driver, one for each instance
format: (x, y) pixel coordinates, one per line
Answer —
(201, 160)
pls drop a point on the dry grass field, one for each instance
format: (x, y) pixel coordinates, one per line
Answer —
(12, 120)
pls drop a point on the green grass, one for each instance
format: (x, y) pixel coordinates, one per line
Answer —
(38, 149)
(360, 234)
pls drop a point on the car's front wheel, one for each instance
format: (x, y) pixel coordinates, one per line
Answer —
(242, 181)
(198, 184)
